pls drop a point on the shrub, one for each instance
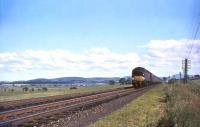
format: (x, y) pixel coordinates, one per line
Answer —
(73, 87)
(44, 89)
(111, 82)
(11, 90)
(122, 81)
(32, 89)
(25, 89)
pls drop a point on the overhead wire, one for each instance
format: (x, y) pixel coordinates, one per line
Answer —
(194, 38)
(195, 34)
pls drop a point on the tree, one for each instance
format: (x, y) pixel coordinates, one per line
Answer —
(122, 81)
(111, 82)
(11, 90)
(128, 81)
(165, 79)
(25, 88)
(73, 87)
(44, 88)
(32, 89)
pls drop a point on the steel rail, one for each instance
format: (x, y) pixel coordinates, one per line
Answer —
(20, 120)
(7, 105)
(5, 114)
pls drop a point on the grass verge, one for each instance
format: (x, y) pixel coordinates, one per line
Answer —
(183, 105)
(145, 111)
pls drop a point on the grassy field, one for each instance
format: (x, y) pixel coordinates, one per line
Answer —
(145, 111)
(18, 94)
(183, 105)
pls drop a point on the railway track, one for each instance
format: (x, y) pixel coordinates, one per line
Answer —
(19, 116)
(8, 105)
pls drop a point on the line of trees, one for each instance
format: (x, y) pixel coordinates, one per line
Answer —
(124, 81)
(32, 89)
(111, 82)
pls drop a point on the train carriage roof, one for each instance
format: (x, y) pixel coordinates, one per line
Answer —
(140, 69)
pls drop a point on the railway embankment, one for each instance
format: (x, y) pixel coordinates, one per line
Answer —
(182, 105)
(170, 105)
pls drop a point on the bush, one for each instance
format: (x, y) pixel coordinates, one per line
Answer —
(25, 89)
(11, 90)
(111, 82)
(73, 87)
(128, 81)
(122, 81)
(44, 89)
(32, 89)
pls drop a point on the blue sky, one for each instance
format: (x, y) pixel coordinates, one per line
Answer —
(95, 26)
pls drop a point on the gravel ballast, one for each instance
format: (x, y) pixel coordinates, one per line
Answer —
(84, 117)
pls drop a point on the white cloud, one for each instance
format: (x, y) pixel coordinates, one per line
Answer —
(1, 65)
(167, 55)
(162, 57)
(92, 62)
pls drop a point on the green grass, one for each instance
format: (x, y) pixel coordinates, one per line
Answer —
(19, 94)
(194, 82)
(145, 111)
(183, 105)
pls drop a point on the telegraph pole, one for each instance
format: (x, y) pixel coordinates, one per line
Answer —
(186, 64)
(186, 71)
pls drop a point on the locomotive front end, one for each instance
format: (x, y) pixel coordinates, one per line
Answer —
(138, 77)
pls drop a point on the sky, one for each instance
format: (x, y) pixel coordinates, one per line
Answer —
(96, 38)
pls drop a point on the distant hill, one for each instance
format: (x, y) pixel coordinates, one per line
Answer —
(68, 80)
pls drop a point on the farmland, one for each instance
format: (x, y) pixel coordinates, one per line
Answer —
(16, 92)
